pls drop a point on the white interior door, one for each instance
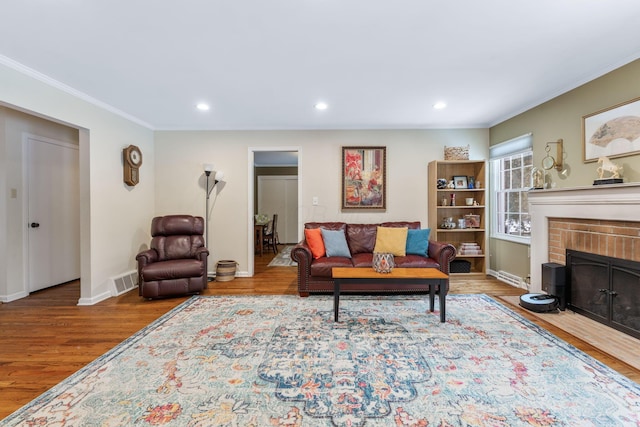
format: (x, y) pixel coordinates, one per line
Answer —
(53, 186)
(279, 195)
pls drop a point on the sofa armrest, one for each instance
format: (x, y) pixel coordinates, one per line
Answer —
(301, 253)
(202, 253)
(443, 253)
(147, 257)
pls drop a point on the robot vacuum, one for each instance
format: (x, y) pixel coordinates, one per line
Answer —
(539, 303)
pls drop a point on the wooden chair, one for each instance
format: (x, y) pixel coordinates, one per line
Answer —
(271, 235)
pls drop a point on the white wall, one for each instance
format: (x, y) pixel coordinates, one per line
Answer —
(180, 179)
(115, 218)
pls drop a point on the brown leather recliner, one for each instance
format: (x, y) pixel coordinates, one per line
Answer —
(176, 263)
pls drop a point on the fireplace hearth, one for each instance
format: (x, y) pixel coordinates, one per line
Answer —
(605, 289)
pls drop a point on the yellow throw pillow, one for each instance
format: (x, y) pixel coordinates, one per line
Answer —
(392, 240)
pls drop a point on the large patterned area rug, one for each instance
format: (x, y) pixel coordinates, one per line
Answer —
(282, 361)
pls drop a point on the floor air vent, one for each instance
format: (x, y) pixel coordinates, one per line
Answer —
(125, 283)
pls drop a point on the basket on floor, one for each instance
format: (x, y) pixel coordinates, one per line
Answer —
(225, 270)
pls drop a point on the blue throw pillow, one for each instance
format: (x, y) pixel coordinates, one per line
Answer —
(335, 243)
(418, 242)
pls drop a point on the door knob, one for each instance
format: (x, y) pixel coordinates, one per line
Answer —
(35, 225)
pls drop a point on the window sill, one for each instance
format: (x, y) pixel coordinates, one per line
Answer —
(514, 239)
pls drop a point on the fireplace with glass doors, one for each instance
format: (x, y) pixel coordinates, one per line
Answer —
(605, 289)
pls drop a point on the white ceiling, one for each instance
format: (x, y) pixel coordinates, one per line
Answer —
(263, 64)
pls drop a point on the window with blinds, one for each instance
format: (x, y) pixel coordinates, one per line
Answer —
(510, 174)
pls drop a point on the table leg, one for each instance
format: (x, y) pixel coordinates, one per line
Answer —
(336, 299)
(432, 296)
(442, 293)
(259, 229)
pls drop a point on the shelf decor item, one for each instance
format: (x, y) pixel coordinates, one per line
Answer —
(460, 266)
(456, 153)
(472, 220)
(364, 178)
(460, 182)
(472, 182)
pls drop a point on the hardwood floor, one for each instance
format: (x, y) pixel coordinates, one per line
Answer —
(46, 337)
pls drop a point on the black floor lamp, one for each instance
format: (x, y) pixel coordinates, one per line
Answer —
(219, 176)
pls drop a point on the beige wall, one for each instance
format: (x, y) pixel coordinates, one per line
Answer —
(180, 180)
(114, 218)
(561, 117)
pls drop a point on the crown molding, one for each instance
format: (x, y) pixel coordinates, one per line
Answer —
(30, 72)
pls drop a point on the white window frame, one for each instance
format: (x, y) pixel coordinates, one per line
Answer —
(516, 147)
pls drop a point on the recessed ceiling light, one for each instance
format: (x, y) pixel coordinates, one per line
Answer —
(202, 106)
(321, 106)
(439, 105)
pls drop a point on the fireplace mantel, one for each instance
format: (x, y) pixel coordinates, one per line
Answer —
(618, 202)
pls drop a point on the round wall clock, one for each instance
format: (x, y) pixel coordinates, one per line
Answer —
(132, 160)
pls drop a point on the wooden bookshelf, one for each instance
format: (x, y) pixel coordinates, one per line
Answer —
(440, 208)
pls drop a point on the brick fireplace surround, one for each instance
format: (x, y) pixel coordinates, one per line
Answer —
(602, 219)
(617, 239)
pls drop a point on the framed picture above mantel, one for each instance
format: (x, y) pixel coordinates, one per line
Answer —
(612, 132)
(364, 178)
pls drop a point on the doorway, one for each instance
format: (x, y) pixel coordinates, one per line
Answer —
(271, 162)
(52, 173)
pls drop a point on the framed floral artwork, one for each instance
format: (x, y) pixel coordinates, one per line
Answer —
(364, 178)
(612, 132)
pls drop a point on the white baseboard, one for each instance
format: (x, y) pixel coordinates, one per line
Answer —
(238, 274)
(13, 297)
(94, 300)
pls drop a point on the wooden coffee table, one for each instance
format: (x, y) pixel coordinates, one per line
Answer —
(406, 276)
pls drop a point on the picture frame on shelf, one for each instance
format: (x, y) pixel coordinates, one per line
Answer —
(612, 132)
(472, 182)
(460, 182)
(364, 178)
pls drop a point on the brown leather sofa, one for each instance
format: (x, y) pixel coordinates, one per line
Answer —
(176, 263)
(314, 275)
